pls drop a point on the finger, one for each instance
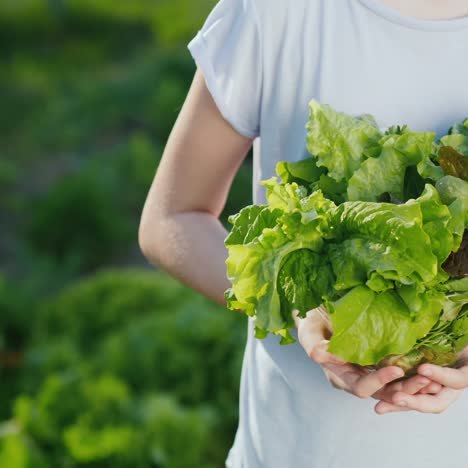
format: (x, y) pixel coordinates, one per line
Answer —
(427, 403)
(414, 384)
(316, 323)
(319, 353)
(446, 376)
(386, 392)
(433, 388)
(313, 335)
(383, 407)
(365, 386)
(409, 386)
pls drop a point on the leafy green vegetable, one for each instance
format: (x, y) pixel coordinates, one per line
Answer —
(303, 172)
(457, 262)
(339, 140)
(261, 239)
(372, 225)
(381, 323)
(386, 173)
(453, 189)
(457, 137)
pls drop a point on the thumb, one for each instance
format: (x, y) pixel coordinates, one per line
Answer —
(314, 331)
(320, 354)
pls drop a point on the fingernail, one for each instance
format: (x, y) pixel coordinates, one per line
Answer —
(402, 403)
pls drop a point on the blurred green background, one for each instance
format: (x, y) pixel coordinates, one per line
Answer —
(104, 361)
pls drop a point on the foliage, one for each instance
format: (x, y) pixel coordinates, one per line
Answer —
(101, 367)
(377, 266)
(129, 368)
(92, 228)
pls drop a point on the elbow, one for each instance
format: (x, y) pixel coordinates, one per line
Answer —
(146, 240)
(143, 239)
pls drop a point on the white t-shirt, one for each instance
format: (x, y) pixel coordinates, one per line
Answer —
(263, 61)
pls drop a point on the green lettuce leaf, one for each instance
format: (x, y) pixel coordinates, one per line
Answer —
(260, 240)
(381, 237)
(294, 198)
(457, 137)
(453, 305)
(452, 189)
(381, 242)
(458, 142)
(303, 172)
(386, 173)
(305, 278)
(438, 223)
(338, 140)
(368, 326)
(455, 285)
(460, 330)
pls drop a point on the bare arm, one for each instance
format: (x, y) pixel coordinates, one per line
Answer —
(180, 229)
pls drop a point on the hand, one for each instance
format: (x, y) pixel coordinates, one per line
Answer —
(452, 382)
(314, 332)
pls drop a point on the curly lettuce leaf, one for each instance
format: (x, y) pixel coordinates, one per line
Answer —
(386, 173)
(379, 242)
(452, 189)
(305, 278)
(261, 239)
(455, 285)
(368, 326)
(250, 222)
(303, 172)
(439, 223)
(460, 330)
(392, 240)
(453, 305)
(338, 140)
(294, 198)
(457, 137)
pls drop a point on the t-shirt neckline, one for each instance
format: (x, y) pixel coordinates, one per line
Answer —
(416, 23)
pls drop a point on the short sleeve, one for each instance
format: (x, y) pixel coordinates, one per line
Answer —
(227, 49)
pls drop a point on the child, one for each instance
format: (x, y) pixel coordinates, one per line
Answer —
(260, 62)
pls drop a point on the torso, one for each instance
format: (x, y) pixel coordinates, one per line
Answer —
(359, 58)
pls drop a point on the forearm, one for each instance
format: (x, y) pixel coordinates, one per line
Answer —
(190, 246)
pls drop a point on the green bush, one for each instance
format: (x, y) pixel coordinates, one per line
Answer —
(179, 437)
(135, 163)
(117, 368)
(196, 340)
(94, 307)
(16, 317)
(77, 222)
(18, 450)
(140, 324)
(96, 421)
(131, 368)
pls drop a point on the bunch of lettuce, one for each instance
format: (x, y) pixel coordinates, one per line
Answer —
(373, 226)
